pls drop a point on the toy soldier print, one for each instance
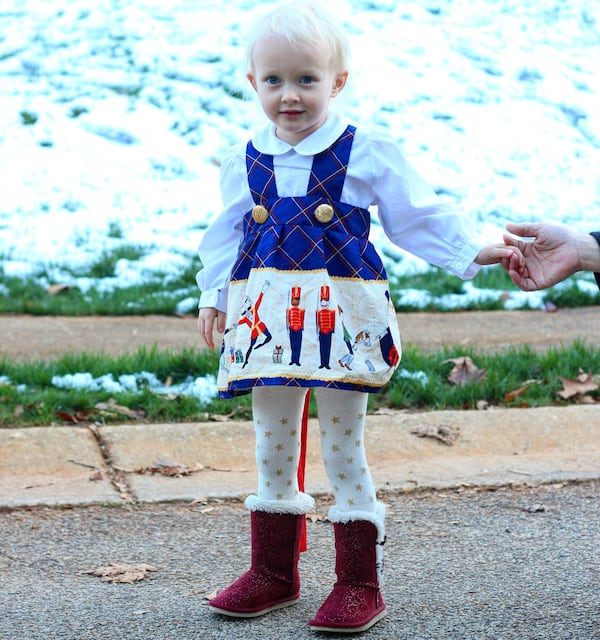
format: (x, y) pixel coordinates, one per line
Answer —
(325, 327)
(295, 325)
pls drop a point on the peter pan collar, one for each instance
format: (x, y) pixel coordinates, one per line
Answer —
(265, 141)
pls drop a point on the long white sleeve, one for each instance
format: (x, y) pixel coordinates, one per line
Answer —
(413, 217)
(220, 243)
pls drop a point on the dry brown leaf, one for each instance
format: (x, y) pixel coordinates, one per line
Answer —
(112, 406)
(220, 418)
(584, 376)
(170, 469)
(464, 371)
(578, 387)
(239, 413)
(444, 433)
(124, 573)
(511, 395)
(76, 418)
(56, 289)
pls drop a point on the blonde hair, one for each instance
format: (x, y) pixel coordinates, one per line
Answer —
(301, 23)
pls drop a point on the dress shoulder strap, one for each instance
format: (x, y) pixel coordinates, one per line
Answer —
(329, 167)
(261, 176)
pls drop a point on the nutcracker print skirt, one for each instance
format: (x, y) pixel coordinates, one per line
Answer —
(307, 329)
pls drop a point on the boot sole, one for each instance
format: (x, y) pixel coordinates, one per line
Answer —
(363, 627)
(254, 614)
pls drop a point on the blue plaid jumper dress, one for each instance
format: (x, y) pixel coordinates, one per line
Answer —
(308, 301)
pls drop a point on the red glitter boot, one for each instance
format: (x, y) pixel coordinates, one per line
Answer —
(272, 582)
(355, 604)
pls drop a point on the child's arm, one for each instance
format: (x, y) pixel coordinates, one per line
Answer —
(218, 248)
(206, 324)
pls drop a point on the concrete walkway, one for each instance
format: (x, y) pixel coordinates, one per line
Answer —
(126, 463)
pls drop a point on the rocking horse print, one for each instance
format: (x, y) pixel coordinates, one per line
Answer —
(362, 338)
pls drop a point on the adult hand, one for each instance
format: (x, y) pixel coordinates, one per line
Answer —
(551, 254)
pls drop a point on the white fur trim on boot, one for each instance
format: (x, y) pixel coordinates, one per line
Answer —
(302, 505)
(377, 517)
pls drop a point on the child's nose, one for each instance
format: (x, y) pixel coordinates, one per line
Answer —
(289, 94)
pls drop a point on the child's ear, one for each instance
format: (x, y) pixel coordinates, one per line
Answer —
(339, 83)
(251, 80)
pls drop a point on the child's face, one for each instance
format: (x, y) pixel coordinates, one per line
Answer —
(294, 86)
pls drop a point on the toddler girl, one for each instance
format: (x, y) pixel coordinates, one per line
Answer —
(301, 295)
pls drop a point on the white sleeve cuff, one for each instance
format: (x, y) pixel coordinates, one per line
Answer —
(464, 265)
(216, 298)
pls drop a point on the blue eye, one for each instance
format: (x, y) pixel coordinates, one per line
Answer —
(306, 79)
(272, 80)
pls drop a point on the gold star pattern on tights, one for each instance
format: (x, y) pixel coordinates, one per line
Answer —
(359, 492)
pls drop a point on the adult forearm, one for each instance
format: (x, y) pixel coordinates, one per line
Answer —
(588, 251)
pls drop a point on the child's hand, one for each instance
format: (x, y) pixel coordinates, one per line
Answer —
(206, 324)
(509, 257)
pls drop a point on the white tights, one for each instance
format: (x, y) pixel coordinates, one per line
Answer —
(277, 421)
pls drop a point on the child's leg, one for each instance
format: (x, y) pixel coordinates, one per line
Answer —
(355, 604)
(277, 415)
(277, 512)
(342, 423)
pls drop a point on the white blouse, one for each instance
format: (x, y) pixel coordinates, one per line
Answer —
(410, 212)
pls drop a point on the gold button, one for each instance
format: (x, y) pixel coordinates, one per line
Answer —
(324, 212)
(260, 214)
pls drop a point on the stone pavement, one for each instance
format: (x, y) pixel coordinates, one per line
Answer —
(74, 465)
